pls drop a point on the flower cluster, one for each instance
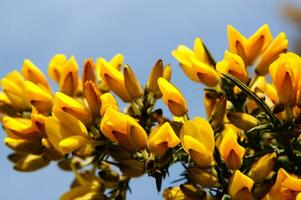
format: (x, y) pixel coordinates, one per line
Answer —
(249, 148)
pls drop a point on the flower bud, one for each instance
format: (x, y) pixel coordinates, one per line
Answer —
(202, 177)
(152, 83)
(131, 83)
(109, 178)
(218, 113)
(193, 193)
(162, 138)
(88, 73)
(132, 168)
(240, 186)
(92, 95)
(167, 72)
(262, 167)
(173, 98)
(197, 139)
(242, 120)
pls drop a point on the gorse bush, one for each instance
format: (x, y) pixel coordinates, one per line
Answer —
(248, 148)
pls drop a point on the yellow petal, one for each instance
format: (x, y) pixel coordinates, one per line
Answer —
(22, 128)
(38, 97)
(56, 66)
(238, 182)
(278, 46)
(237, 42)
(32, 73)
(113, 78)
(132, 84)
(92, 95)
(13, 86)
(230, 150)
(73, 107)
(157, 72)
(117, 61)
(72, 143)
(88, 73)
(107, 100)
(164, 135)
(173, 98)
(69, 77)
(258, 42)
(76, 192)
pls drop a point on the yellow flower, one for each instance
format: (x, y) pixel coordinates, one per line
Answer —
(62, 102)
(152, 83)
(262, 167)
(21, 128)
(69, 77)
(32, 73)
(88, 186)
(285, 74)
(39, 97)
(196, 64)
(173, 98)
(56, 66)
(65, 132)
(131, 83)
(107, 100)
(125, 130)
(162, 138)
(272, 52)
(88, 73)
(113, 79)
(14, 87)
(23, 146)
(230, 150)
(197, 139)
(234, 65)
(28, 162)
(240, 186)
(249, 48)
(116, 62)
(286, 186)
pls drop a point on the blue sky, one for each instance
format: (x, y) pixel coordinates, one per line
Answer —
(141, 30)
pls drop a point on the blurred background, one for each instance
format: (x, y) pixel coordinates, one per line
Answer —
(143, 31)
